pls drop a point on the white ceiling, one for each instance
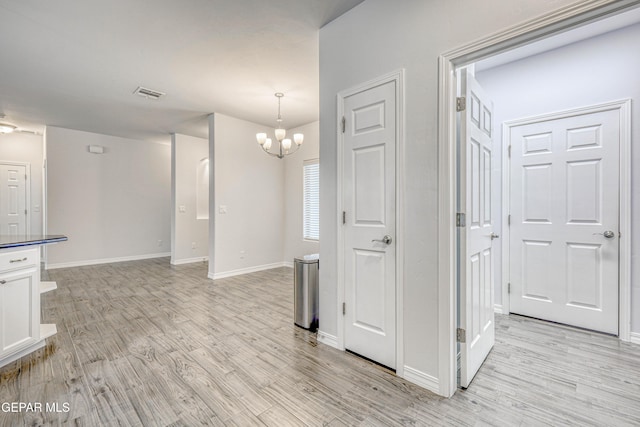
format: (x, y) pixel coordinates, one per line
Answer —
(593, 29)
(75, 64)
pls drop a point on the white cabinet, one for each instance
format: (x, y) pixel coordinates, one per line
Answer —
(20, 289)
(20, 307)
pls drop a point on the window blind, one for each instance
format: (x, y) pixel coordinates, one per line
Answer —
(311, 200)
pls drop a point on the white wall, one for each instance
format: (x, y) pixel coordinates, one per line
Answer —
(294, 244)
(375, 38)
(251, 186)
(597, 70)
(187, 230)
(26, 148)
(112, 206)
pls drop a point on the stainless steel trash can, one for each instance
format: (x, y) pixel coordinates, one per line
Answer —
(305, 291)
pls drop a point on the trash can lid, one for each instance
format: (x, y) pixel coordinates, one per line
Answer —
(308, 259)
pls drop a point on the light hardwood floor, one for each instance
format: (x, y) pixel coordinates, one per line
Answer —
(144, 343)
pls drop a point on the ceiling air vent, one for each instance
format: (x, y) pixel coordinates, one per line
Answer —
(148, 93)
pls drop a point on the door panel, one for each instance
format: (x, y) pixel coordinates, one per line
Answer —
(369, 176)
(584, 281)
(535, 279)
(369, 203)
(369, 308)
(584, 191)
(475, 239)
(564, 175)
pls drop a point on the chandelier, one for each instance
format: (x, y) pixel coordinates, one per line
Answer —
(284, 144)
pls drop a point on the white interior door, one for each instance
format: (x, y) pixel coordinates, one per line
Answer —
(13, 200)
(564, 208)
(370, 223)
(476, 236)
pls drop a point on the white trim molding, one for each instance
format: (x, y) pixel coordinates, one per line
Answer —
(328, 339)
(567, 17)
(190, 260)
(497, 308)
(105, 261)
(427, 381)
(396, 76)
(634, 338)
(231, 273)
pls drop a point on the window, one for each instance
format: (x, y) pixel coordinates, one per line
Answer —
(202, 189)
(311, 202)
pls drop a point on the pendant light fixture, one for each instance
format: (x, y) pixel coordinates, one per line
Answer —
(6, 127)
(284, 144)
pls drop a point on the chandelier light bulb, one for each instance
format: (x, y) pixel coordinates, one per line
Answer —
(298, 138)
(286, 145)
(261, 137)
(280, 134)
(267, 144)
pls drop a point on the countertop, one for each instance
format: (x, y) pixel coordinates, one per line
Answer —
(7, 242)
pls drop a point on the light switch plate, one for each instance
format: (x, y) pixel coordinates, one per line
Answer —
(222, 209)
(182, 209)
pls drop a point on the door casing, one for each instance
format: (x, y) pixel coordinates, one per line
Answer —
(624, 209)
(554, 22)
(397, 77)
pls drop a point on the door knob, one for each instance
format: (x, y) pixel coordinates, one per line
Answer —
(493, 236)
(386, 240)
(608, 234)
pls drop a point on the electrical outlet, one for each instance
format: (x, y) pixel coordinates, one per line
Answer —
(159, 242)
(182, 208)
(193, 245)
(242, 253)
(222, 209)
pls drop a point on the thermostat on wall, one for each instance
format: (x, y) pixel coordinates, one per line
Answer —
(96, 149)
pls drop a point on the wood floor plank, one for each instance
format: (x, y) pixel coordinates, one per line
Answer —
(277, 416)
(147, 343)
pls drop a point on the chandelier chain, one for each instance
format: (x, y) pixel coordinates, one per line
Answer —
(279, 96)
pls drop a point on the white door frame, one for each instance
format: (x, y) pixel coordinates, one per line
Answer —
(27, 187)
(570, 16)
(624, 260)
(397, 77)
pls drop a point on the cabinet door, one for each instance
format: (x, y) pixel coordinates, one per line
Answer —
(19, 309)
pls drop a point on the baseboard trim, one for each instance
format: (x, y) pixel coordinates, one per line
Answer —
(634, 337)
(497, 308)
(328, 339)
(190, 260)
(247, 270)
(288, 264)
(423, 380)
(23, 352)
(48, 266)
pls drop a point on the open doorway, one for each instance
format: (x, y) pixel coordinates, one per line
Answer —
(582, 81)
(566, 91)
